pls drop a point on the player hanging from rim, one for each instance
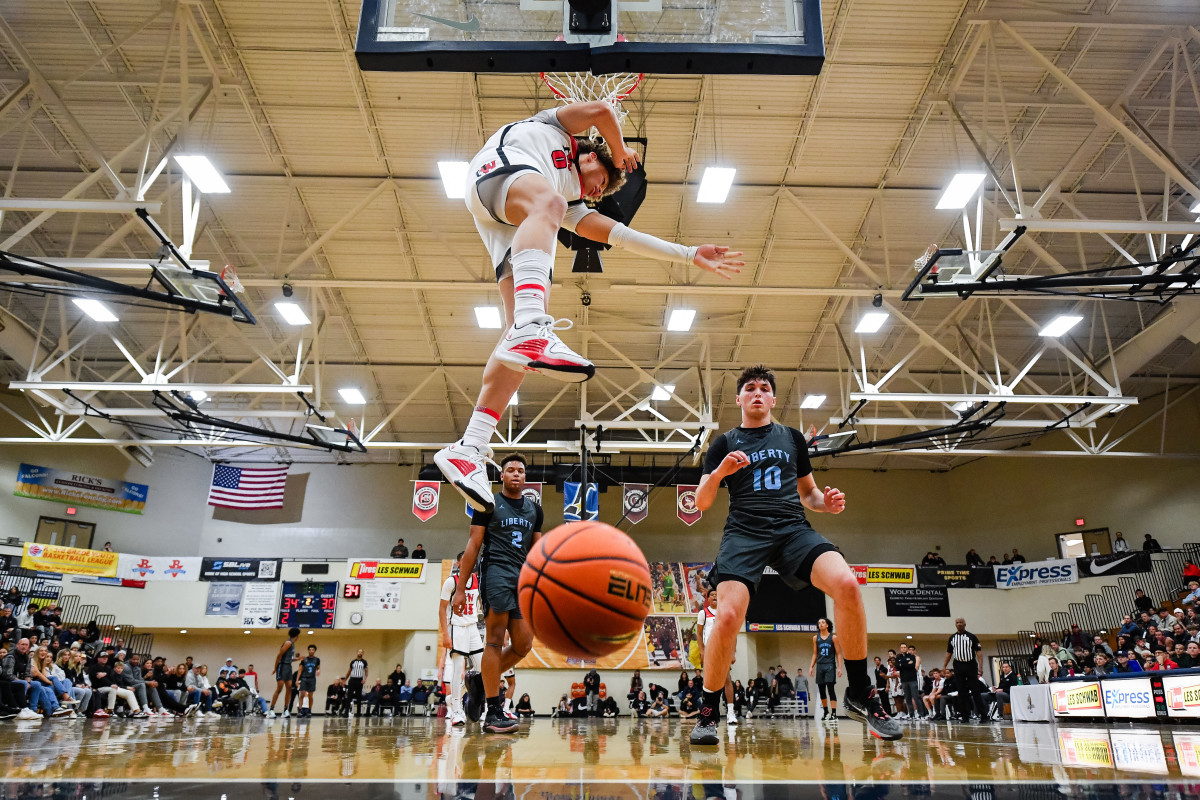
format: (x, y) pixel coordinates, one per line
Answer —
(765, 466)
(531, 178)
(459, 634)
(499, 542)
(824, 667)
(705, 620)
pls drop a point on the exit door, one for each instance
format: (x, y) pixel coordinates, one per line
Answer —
(65, 532)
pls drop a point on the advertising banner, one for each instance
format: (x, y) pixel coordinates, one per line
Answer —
(685, 505)
(410, 571)
(1084, 747)
(224, 600)
(1037, 573)
(59, 486)
(1187, 752)
(240, 569)
(158, 568)
(260, 601)
(1128, 697)
(381, 595)
(1114, 564)
(69, 560)
(885, 574)
(425, 499)
(929, 602)
(1139, 751)
(1076, 699)
(635, 501)
(1182, 694)
(957, 576)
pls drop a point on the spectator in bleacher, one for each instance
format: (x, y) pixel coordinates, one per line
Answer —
(1129, 627)
(1191, 572)
(62, 675)
(974, 559)
(658, 708)
(16, 669)
(739, 697)
(1162, 661)
(1151, 545)
(800, 686)
(609, 707)
(373, 699)
(524, 707)
(404, 695)
(635, 685)
(1054, 669)
(684, 686)
(389, 697)
(932, 687)
(1016, 557)
(1103, 665)
(1193, 592)
(44, 694)
(9, 632)
(108, 547)
(1143, 603)
(25, 621)
(119, 688)
(1190, 658)
(932, 559)
(641, 705)
(563, 709)
(687, 708)
(399, 550)
(420, 552)
(591, 690)
(1177, 652)
(992, 562)
(1119, 544)
(1002, 692)
(12, 598)
(137, 681)
(1099, 645)
(1075, 637)
(199, 691)
(335, 696)
(1126, 664)
(398, 675)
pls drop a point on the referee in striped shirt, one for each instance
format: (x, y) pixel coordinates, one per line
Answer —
(968, 666)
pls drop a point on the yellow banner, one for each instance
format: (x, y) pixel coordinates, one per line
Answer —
(413, 571)
(69, 560)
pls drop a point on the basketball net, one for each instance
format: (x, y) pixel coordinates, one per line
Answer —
(920, 263)
(229, 275)
(579, 87)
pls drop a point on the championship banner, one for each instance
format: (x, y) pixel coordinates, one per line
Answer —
(685, 504)
(884, 574)
(425, 499)
(533, 491)
(1037, 573)
(578, 508)
(240, 569)
(260, 603)
(933, 602)
(1114, 564)
(409, 571)
(45, 483)
(158, 568)
(635, 501)
(69, 560)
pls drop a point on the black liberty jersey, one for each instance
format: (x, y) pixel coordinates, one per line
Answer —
(766, 488)
(826, 655)
(510, 529)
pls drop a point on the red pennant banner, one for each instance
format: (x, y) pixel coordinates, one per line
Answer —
(636, 502)
(425, 499)
(685, 504)
(533, 491)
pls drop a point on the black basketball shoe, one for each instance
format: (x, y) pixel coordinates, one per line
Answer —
(476, 697)
(870, 713)
(498, 722)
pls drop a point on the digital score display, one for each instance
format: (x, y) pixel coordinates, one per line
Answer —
(352, 591)
(307, 604)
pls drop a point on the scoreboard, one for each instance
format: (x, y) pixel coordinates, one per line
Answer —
(307, 604)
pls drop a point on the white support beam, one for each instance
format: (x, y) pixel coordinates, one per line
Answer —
(1102, 226)
(639, 425)
(113, 264)
(1149, 19)
(1025, 399)
(220, 413)
(211, 388)
(926, 422)
(77, 206)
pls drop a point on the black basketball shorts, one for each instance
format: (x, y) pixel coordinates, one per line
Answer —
(498, 591)
(789, 550)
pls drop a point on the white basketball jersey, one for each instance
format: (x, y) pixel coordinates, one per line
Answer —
(539, 141)
(470, 615)
(705, 620)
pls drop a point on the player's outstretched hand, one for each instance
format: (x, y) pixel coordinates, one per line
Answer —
(458, 602)
(734, 461)
(627, 160)
(835, 500)
(719, 260)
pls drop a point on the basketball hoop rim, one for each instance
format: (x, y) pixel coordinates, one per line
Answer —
(616, 98)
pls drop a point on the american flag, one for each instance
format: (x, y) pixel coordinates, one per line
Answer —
(234, 487)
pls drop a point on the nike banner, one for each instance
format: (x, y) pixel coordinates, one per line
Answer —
(1114, 564)
(636, 501)
(425, 499)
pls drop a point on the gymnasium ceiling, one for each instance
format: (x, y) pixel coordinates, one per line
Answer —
(335, 190)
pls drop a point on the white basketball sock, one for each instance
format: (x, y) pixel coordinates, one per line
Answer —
(457, 668)
(481, 427)
(531, 282)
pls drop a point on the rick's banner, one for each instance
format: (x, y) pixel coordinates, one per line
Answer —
(45, 483)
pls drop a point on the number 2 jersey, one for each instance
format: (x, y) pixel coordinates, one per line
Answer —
(763, 494)
(508, 535)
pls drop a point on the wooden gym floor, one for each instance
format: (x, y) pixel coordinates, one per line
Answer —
(420, 757)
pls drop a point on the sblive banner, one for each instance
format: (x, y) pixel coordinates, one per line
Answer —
(240, 569)
(409, 571)
(61, 486)
(1113, 564)
(884, 574)
(957, 576)
(69, 560)
(1037, 573)
(158, 568)
(932, 602)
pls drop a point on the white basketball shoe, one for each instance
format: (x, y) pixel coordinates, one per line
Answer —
(535, 347)
(465, 467)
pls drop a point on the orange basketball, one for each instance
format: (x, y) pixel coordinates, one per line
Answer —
(585, 589)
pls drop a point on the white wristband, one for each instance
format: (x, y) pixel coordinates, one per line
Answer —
(643, 244)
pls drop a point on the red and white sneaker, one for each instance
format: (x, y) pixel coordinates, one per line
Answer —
(465, 467)
(535, 347)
